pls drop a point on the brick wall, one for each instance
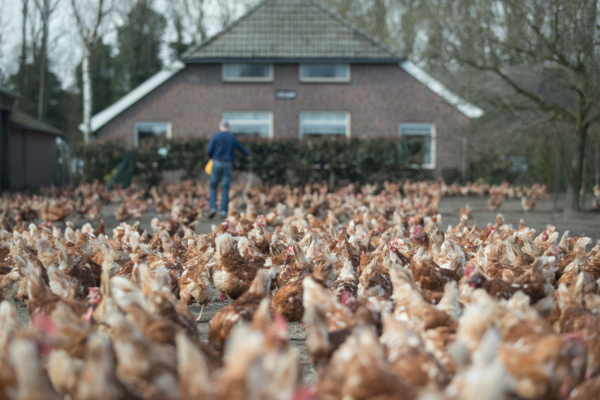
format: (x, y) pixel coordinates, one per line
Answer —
(379, 98)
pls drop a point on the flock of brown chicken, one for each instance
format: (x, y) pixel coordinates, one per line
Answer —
(393, 306)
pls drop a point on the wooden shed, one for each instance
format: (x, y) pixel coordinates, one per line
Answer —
(27, 148)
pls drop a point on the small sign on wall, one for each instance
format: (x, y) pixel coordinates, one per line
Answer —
(285, 94)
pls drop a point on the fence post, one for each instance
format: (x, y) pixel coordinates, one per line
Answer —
(556, 180)
(465, 161)
(597, 164)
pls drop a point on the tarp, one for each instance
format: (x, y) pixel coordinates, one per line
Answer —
(124, 174)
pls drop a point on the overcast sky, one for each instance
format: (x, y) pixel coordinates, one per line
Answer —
(64, 50)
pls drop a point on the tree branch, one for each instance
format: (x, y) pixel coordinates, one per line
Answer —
(91, 35)
(551, 46)
(538, 100)
(93, 32)
(593, 117)
(78, 19)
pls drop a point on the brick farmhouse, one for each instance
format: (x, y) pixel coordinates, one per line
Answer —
(293, 68)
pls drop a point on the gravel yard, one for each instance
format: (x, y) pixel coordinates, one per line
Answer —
(581, 224)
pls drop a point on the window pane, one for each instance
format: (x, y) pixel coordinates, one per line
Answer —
(417, 149)
(324, 130)
(323, 116)
(416, 129)
(247, 70)
(252, 116)
(249, 123)
(314, 123)
(332, 71)
(416, 143)
(250, 130)
(151, 129)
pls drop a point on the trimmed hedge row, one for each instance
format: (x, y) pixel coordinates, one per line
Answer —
(294, 161)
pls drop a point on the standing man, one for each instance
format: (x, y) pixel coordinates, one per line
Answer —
(221, 149)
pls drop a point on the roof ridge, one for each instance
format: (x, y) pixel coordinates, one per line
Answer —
(227, 43)
(355, 28)
(229, 27)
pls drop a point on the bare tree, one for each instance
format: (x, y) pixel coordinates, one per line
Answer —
(196, 13)
(2, 25)
(545, 51)
(370, 15)
(89, 34)
(230, 10)
(46, 8)
(24, 13)
(227, 12)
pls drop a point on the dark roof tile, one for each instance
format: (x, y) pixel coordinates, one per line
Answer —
(292, 29)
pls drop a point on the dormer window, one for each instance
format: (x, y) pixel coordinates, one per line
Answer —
(250, 72)
(324, 72)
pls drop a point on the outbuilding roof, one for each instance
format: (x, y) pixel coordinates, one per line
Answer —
(294, 30)
(8, 92)
(20, 119)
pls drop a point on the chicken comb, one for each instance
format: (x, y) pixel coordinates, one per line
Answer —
(545, 236)
(345, 297)
(578, 337)
(469, 270)
(280, 323)
(44, 323)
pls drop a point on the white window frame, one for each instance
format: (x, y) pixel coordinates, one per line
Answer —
(433, 141)
(135, 129)
(346, 79)
(251, 122)
(247, 79)
(348, 122)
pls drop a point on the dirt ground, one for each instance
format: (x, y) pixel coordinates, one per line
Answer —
(583, 224)
(578, 224)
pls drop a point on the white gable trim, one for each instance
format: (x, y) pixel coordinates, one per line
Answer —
(468, 109)
(104, 116)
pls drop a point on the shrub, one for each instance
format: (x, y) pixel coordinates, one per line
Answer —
(338, 161)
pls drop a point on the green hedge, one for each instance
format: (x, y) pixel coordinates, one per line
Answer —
(274, 161)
